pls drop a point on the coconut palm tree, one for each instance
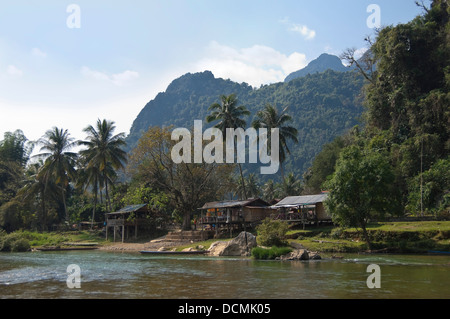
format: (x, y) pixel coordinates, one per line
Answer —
(229, 115)
(271, 118)
(251, 185)
(103, 155)
(90, 176)
(290, 186)
(269, 190)
(59, 164)
(38, 193)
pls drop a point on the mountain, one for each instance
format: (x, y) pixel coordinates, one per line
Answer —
(185, 100)
(321, 64)
(323, 106)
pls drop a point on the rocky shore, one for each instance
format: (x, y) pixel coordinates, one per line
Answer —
(241, 246)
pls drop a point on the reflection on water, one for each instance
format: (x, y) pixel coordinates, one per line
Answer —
(131, 275)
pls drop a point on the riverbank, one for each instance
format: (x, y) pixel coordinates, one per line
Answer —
(395, 237)
(386, 237)
(156, 245)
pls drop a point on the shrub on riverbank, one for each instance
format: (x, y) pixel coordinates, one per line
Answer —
(272, 233)
(13, 242)
(270, 253)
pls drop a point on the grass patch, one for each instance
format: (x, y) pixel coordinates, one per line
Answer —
(331, 246)
(26, 240)
(399, 237)
(270, 253)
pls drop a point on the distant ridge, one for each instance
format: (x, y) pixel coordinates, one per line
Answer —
(323, 63)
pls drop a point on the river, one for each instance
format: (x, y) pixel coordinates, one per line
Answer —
(116, 275)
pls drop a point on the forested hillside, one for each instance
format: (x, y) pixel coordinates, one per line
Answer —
(323, 106)
(406, 122)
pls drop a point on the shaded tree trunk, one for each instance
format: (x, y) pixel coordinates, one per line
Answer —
(243, 182)
(93, 211)
(186, 221)
(366, 236)
(44, 215)
(66, 213)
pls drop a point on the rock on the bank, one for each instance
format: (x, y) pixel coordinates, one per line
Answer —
(300, 254)
(240, 246)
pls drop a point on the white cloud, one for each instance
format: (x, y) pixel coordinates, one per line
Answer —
(118, 79)
(302, 29)
(124, 77)
(39, 53)
(255, 65)
(14, 71)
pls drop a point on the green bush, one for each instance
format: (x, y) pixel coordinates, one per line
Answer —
(20, 245)
(270, 253)
(14, 242)
(5, 243)
(337, 233)
(272, 233)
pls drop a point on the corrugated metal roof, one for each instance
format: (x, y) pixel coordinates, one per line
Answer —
(233, 203)
(301, 200)
(129, 209)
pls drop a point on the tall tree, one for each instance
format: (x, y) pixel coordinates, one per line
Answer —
(229, 115)
(290, 186)
(187, 185)
(271, 118)
(104, 154)
(91, 177)
(251, 186)
(39, 194)
(14, 154)
(59, 165)
(269, 191)
(361, 188)
(15, 147)
(407, 98)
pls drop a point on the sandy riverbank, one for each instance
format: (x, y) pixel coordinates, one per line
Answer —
(136, 247)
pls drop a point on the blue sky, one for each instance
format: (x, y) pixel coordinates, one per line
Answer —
(123, 53)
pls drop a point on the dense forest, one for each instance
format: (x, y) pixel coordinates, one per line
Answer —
(376, 138)
(398, 162)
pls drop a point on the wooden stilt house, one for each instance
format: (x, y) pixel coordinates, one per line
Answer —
(127, 221)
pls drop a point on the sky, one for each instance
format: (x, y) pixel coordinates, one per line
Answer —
(69, 63)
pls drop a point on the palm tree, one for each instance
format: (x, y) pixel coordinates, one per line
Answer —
(103, 155)
(251, 185)
(290, 186)
(269, 190)
(229, 115)
(59, 164)
(90, 176)
(38, 193)
(271, 118)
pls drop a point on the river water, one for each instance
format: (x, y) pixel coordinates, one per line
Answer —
(115, 275)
